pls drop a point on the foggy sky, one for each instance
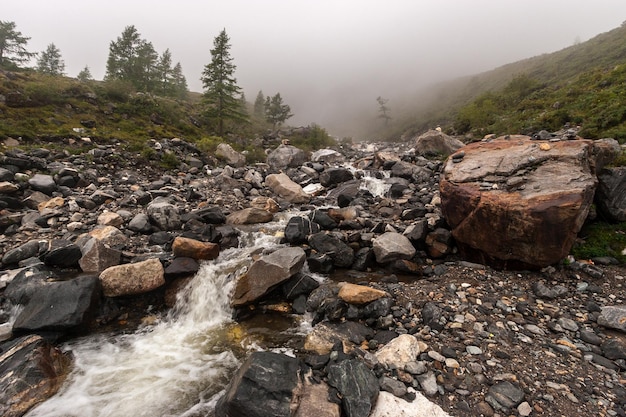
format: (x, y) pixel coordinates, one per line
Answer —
(323, 56)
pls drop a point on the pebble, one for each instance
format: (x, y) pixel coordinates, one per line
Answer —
(473, 350)
(524, 409)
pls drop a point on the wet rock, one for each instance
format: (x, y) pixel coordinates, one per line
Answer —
(613, 317)
(323, 219)
(8, 187)
(60, 306)
(328, 156)
(431, 315)
(286, 156)
(341, 254)
(264, 385)
(531, 225)
(266, 273)
(130, 279)
(226, 153)
(439, 242)
(250, 215)
(333, 176)
(211, 215)
(504, 396)
(359, 294)
(357, 384)
(298, 230)
(265, 203)
(164, 214)
(542, 291)
(181, 267)
(191, 248)
(388, 405)
(283, 186)
(392, 246)
(32, 371)
(299, 284)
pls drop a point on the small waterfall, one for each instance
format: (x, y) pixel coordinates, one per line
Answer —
(174, 368)
(376, 186)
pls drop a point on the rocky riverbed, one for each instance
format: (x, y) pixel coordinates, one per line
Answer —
(483, 341)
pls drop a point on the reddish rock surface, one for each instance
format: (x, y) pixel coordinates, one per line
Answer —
(516, 202)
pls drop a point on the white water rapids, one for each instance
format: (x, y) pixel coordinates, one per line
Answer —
(179, 366)
(175, 368)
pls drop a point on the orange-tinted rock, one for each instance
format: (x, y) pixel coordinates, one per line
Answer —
(511, 204)
(190, 248)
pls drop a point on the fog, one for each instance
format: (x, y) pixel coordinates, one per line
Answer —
(329, 59)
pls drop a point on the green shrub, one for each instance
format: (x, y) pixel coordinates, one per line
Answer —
(169, 160)
(601, 239)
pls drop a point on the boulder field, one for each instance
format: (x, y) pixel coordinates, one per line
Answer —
(467, 252)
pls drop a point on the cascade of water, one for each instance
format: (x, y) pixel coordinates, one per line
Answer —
(175, 368)
(376, 186)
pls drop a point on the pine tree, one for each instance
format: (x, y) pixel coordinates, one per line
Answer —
(222, 94)
(13, 46)
(132, 59)
(84, 75)
(276, 112)
(179, 82)
(50, 61)
(259, 105)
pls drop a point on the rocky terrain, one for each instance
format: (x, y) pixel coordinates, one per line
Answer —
(427, 311)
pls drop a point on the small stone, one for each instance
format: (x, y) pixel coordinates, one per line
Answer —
(568, 324)
(428, 382)
(524, 409)
(474, 350)
(436, 356)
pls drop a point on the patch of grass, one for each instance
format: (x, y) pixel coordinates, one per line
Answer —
(602, 239)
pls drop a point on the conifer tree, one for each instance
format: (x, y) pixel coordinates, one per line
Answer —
(13, 51)
(50, 61)
(84, 75)
(259, 104)
(276, 112)
(222, 94)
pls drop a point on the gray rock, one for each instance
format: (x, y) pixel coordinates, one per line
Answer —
(428, 383)
(341, 254)
(611, 193)
(263, 386)
(164, 214)
(357, 384)
(27, 250)
(613, 317)
(504, 396)
(266, 273)
(435, 143)
(298, 230)
(250, 215)
(567, 324)
(6, 175)
(140, 223)
(43, 183)
(98, 256)
(542, 291)
(226, 153)
(286, 156)
(614, 349)
(392, 246)
(393, 386)
(60, 306)
(283, 186)
(334, 176)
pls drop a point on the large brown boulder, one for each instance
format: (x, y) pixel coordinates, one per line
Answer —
(436, 143)
(514, 202)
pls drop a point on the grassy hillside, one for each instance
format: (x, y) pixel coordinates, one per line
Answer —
(582, 84)
(46, 110)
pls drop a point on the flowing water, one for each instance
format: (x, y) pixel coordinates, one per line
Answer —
(178, 366)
